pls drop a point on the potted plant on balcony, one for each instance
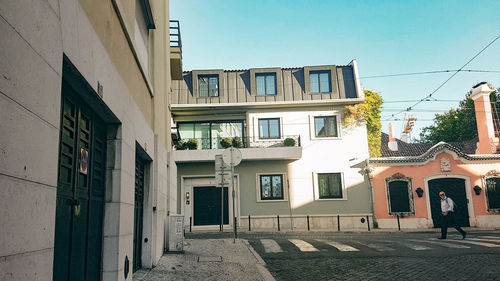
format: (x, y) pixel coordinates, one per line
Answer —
(192, 144)
(237, 142)
(289, 142)
(226, 142)
(180, 145)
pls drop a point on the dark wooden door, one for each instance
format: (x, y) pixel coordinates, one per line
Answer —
(207, 205)
(80, 191)
(138, 212)
(455, 189)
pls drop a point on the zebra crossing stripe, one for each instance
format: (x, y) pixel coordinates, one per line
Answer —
(270, 246)
(339, 246)
(378, 247)
(303, 245)
(490, 245)
(491, 237)
(415, 247)
(483, 239)
(444, 244)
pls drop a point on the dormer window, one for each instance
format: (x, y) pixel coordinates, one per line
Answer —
(320, 81)
(266, 83)
(209, 85)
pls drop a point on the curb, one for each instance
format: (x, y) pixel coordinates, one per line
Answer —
(261, 266)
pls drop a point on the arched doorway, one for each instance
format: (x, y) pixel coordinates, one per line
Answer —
(455, 189)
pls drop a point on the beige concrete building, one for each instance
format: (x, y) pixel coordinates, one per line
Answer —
(84, 137)
(302, 166)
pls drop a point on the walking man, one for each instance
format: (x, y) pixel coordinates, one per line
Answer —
(447, 210)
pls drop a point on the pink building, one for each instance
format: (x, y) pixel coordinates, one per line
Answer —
(407, 178)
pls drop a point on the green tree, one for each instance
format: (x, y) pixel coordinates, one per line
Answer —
(369, 111)
(458, 124)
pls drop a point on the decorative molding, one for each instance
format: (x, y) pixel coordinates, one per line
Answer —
(445, 164)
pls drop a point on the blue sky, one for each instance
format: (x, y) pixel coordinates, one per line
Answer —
(385, 37)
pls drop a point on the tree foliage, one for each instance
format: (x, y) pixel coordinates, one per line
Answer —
(369, 112)
(456, 125)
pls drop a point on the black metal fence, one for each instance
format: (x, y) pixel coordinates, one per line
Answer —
(175, 34)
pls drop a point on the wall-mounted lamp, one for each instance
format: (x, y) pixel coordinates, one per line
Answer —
(419, 192)
(477, 190)
(187, 195)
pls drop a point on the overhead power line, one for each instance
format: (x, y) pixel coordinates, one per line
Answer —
(446, 81)
(429, 72)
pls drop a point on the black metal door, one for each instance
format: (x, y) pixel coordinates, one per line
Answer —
(138, 212)
(455, 189)
(207, 205)
(80, 191)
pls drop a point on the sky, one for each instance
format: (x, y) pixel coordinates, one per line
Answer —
(385, 37)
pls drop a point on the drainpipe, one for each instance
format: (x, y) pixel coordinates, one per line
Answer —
(289, 204)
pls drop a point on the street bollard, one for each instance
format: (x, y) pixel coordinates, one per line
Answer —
(399, 226)
(190, 223)
(249, 224)
(278, 222)
(368, 222)
(235, 228)
(308, 227)
(338, 222)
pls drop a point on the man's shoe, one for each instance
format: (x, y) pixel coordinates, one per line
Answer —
(463, 235)
(442, 238)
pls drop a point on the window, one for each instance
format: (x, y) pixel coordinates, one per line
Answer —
(400, 196)
(269, 128)
(330, 186)
(266, 83)
(320, 81)
(210, 134)
(325, 126)
(271, 187)
(209, 85)
(493, 193)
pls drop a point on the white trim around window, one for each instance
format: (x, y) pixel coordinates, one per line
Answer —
(284, 186)
(312, 126)
(316, 186)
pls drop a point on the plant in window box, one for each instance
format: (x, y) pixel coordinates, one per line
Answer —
(289, 142)
(180, 145)
(226, 142)
(237, 142)
(192, 144)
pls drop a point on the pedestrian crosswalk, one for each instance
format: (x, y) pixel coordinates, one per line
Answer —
(312, 245)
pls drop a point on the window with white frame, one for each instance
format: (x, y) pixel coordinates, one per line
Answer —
(325, 126)
(330, 186)
(269, 128)
(399, 195)
(493, 193)
(271, 187)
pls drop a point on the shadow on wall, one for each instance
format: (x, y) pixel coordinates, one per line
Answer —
(245, 76)
(299, 76)
(189, 82)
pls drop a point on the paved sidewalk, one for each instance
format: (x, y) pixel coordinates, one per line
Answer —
(209, 259)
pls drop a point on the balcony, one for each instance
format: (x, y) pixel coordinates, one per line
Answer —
(175, 50)
(252, 149)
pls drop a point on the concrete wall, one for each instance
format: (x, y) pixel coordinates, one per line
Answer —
(92, 36)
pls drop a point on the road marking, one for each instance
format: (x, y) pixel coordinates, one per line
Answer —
(491, 237)
(270, 246)
(378, 247)
(303, 245)
(476, 243)
(483, 239)
(341, 247)
(415, 246)
(444, 244)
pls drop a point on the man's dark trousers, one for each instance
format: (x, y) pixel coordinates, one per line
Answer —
(449, 220)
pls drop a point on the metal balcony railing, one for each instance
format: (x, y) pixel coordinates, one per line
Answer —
(175, 34)
(248, 142)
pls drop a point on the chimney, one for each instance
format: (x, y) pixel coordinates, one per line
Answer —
(488, 143)
(392, 144)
